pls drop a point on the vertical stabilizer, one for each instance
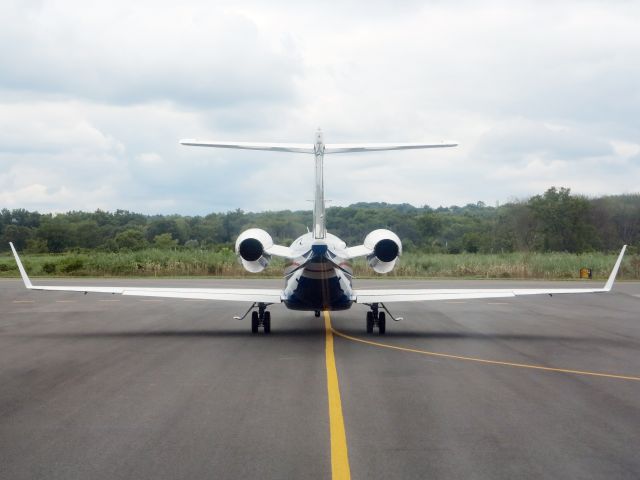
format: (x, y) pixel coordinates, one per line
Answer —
(319, 225)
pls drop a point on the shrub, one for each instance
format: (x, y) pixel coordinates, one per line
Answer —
(49, 267)
(36, 245)
(164, 241)
(71, 265)
(131, 239)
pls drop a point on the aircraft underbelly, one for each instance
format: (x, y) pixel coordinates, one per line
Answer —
(320, 286)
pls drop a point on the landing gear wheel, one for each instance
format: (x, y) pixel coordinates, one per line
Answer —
(382, 323)
(267, 322)
(317, 313)
(254, 322)
(369, 322)
(376, 319)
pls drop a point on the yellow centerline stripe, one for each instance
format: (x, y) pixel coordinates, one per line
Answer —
(482, 360)
(339, 455)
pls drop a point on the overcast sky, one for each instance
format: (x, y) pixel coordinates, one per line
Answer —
(94, 97)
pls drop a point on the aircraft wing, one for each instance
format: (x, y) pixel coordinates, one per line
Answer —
(380, 147)
(425, 295)
(272, 147)
(260, 295)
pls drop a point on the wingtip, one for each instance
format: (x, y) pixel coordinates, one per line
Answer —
(614, 273)
(23, 272)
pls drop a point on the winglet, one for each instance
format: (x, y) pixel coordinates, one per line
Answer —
(23, 273)
(614, 272)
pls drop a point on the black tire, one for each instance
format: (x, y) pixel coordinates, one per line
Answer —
(369, 322)
(382, 323)
(254, 322)
(267, 322)
(317, 313)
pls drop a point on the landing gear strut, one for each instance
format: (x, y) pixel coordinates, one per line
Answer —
(261, 318)
(376, 319)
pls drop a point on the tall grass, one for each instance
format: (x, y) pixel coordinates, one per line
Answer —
(223, 263)
(514, 265)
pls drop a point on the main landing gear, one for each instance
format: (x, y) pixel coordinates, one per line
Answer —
(376, 319)
(261, 318)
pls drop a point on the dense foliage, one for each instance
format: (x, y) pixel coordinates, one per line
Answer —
(555, 221)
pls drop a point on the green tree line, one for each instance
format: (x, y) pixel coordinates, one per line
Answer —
(555, 221)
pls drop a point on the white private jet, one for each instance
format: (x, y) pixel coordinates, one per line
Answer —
(319, 276)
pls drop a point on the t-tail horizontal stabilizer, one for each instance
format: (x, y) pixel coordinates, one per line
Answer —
(329, 148)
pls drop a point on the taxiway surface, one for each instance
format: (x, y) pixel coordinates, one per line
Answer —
(111, 387)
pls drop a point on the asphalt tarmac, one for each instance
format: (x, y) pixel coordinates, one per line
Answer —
(112, 387)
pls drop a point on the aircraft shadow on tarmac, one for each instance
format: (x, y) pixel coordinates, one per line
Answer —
(238, 333)
(319, 333)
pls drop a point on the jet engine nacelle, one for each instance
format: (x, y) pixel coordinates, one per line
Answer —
(386, 248)
(251, 248)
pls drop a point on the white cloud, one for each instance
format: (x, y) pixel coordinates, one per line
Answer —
(93, 100)
(150, 159)
(49, 127)
(131, 53)
(517, 139)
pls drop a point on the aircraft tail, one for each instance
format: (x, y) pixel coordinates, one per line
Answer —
(318, 149)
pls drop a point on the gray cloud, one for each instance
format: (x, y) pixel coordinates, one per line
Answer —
(520, 139)
(94, 99)
(197, 56)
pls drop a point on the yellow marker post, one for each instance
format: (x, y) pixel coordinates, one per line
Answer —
(339, 455)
